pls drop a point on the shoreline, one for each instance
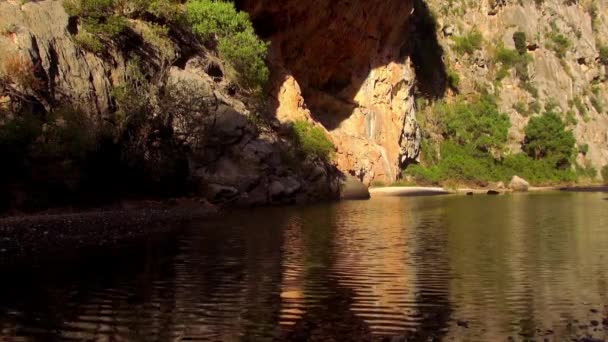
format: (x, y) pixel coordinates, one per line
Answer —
(34, 238)
(411, 191)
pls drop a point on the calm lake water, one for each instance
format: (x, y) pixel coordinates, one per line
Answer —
(455, 268)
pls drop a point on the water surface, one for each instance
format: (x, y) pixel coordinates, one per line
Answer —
(454, 268)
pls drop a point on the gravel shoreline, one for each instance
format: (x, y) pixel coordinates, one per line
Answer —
(41, 236)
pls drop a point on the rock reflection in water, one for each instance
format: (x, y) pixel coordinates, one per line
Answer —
(430, 268)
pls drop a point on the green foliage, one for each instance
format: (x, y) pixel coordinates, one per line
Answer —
(237, 42)
(604, 173)
(519, 38)
(512, 58)
(246, 53)
(547, 139)
(588, 171)
(583, 149)
(597, 103)
(521, 108)
(475, 132)
(477, 123)
(604, 55)
(560, 44)
(462, 164)
(468, 43)
(530, 88)
(580, 107)
(89, 42)
(313, 140)
(534, 107)
(453, 79)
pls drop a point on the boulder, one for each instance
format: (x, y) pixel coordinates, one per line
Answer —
(218, 193)
(351, 188)
(518, 184)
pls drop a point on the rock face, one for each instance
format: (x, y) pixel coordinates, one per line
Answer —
(519, 184)
(351, 188)
(574, 83)
(40, 33)
(239, 163)
(342, 64)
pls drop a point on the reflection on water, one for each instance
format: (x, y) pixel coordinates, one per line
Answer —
(479, 268)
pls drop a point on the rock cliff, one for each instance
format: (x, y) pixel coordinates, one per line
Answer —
(345, 66)
(565, 42)
(241, 161)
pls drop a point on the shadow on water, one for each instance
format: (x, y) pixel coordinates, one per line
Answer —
(332, 62)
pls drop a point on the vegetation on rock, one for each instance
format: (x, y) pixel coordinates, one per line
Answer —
(236, 40)
(547, 139)
(312, 140)
(472, 144)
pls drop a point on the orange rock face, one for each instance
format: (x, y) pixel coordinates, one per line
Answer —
(341, 64)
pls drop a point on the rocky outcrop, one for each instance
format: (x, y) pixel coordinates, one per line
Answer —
(40, 35)
(519, 184)
(342, 64)
(351, 188)
(233, 160)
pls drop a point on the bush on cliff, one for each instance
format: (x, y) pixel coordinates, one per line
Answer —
(313, 140)
(604, 173)
(474, 135)
(477, 123)
(236, 40)
(548, 139)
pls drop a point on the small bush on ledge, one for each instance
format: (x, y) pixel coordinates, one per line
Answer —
(312, 140)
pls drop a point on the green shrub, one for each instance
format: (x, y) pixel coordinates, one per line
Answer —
(587, 171)
(583, 149)
(534, 107)
(313, 140)
(560, 44)
(604, 55)
(521, 108)
(478, 123)
(462, 164)
(468, 43)
(507, 57)
(547, 138)
(530, 88)
(237, 42)
(512, 58)
(605, 174)
(580, 107)
(89, 42)
(596, 102)
(519, 38)
(453, 79)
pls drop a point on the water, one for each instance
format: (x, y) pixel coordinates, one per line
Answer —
(454, 268)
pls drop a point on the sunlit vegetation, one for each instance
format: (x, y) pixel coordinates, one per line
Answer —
(472, 147)
(468, 43)
(313, 140)
(236, 40)
(218, 24)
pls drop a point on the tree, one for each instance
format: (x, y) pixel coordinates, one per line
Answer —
(478, 123)
(519, 38)
(237, 42)
(547, 139)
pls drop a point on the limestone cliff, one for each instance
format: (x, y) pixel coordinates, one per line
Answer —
(567, 71)
(345, 65)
